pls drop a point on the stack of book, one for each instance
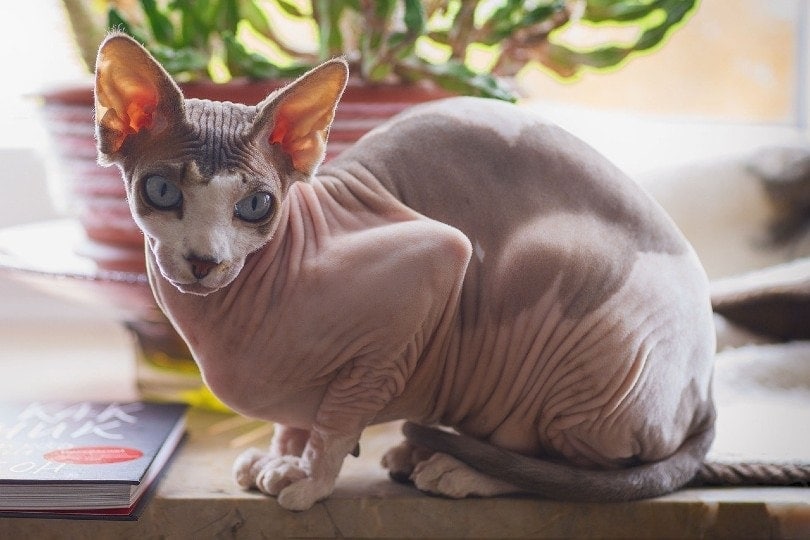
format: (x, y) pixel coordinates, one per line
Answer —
(85, 459)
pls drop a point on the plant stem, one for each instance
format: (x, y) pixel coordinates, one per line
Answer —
(460, 36)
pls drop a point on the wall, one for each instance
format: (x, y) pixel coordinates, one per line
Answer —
(735, 61)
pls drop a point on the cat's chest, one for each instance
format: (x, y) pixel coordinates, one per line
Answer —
(261, 347)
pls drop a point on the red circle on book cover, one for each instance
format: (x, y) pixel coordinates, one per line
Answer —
(93, 455)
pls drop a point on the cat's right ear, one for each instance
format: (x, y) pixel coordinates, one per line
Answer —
(133, 94)
(297, 118)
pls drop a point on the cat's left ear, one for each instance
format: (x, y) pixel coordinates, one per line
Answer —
(133, 94)
(298, 117)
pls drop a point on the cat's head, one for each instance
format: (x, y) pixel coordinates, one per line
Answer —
(206, 180)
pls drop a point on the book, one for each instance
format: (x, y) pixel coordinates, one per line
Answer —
(84, 459)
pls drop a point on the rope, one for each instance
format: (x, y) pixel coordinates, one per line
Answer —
(752, 474)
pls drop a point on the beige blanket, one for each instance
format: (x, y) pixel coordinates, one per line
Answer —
(762, 377)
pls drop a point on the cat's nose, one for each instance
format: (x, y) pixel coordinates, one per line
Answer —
(201, 266)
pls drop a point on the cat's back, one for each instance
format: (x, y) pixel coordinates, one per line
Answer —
(572, 273)
(489, 168)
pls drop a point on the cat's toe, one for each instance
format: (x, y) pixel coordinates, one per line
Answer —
(278, 473)
(247, 465)
(302, 495)
(401, 460)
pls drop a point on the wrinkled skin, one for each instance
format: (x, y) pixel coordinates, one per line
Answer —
(466, 265)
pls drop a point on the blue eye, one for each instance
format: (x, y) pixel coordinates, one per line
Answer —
(161, 193)
(254, 207)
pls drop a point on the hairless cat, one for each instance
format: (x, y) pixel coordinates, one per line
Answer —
(465, 264)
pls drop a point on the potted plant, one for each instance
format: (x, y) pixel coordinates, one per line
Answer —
(400, 52)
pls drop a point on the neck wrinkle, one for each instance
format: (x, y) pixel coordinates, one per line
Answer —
(356, 191)
(311, 213)
(299, 228)
(266, 267)
(312, 209)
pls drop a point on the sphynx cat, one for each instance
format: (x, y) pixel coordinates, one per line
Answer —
(465, 265)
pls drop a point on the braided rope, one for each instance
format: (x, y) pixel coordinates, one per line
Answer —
(752, 474)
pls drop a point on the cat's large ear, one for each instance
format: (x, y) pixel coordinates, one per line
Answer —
(133, 93)
(298, 117)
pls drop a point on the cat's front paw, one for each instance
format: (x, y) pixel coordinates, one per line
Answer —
(279, 473)
(445, 475)
(267, 472)
(285, 477)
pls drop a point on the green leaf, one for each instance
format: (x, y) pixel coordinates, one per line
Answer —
(414, 17)
(676, 11)
(384, 9)
(541, 13)
(601, 58)
(161, 26)
(227, 16)
(289, 8)
(240, 61)
(193, 32)
(458, 78)
(330, 39)
(503, 19)
(379, 72)
(512, 17)
(180, 61)
(208, 13)
(618, 11)
(255, 16)
(439, 36)
(397, 39)
(195, 19)
(565, 61)
(404, 52)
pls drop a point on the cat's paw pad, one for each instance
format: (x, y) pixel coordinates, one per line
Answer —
(401, 460)
(278, 473)
(445, 475)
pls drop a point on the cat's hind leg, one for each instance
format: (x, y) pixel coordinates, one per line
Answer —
(442, 474)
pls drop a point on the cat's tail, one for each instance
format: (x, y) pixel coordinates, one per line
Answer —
(566, 482)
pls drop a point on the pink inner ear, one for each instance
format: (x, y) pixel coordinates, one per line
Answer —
(140, 111)
(298, 148)
(280, 131)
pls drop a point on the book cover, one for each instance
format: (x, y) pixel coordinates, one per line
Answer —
(83, 457)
